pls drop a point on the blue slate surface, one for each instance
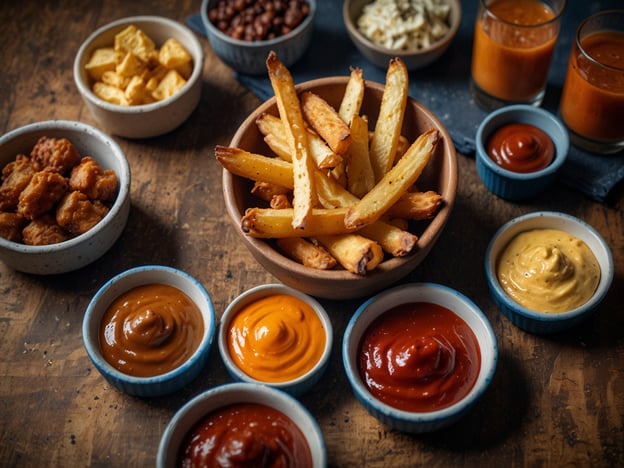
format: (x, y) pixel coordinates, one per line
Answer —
(443, 86)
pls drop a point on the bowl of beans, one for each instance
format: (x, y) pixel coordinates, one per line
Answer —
(243, 32)
(149, 330)
(278, 336)
(548, 271)
(419, 32)
(419, 356)
(64, 196)
(242, 424)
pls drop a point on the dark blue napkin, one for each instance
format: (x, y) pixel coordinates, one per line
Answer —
(443, 86)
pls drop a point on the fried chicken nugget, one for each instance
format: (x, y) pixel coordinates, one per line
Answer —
(44, 231)
(89, 178)
(77, 214)
(15, 177)
(58, 154)
(11, 225)
(43, 191)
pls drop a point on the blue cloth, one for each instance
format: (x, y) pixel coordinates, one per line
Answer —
(443, 86)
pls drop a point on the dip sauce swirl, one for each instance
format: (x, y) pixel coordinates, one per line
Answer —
(245, 434)
(548, 270)
(276, 338)
(521, 147)
(150, 330)
(419, 357)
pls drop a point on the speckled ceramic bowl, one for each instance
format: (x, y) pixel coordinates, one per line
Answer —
(203, 404)
(381, 56)
(160, 384)
(373, 308)
(531, 320)
(299, 385)
(250, 57)
(515, 186)
(84, 249)
(149, 120)
(440, 175)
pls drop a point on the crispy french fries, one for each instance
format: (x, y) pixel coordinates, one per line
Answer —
(396, 181)
(290, 113)
(355, 253)
(306, 253)
(353, 97)
(273, 130)
(339, 194)
(324, 119)
(385, 139)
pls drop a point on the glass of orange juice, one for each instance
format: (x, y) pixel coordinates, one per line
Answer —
(592, 101)
(513, 46)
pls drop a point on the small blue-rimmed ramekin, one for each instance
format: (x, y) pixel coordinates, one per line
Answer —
(160, 384)
(540, 322)
(517, 186)
(408, 421)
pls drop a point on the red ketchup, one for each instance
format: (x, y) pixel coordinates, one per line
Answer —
(419, 357)
(520, 147)
(245, 434)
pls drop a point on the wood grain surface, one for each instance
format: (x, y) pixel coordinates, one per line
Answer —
(554, 401)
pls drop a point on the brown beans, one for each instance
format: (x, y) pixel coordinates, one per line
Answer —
(258, 20)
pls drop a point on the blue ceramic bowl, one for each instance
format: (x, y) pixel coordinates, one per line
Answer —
(160, 384)
(515, 186)
(418, 422)
(240, 392)
(539, 322)
(295, 387)
(250, 57)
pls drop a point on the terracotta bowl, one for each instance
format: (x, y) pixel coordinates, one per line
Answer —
(440, 175)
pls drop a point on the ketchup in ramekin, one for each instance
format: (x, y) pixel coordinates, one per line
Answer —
(419, 357)
(521, 147)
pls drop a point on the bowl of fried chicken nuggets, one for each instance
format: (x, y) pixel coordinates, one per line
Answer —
(329, 198)
(64, 196)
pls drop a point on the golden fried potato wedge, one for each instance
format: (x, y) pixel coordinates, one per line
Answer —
(353, 97)
(360, 177)
(269, 223)
(255, 166)
(306, 253)
(355, 253)
(395, 183)
(325, 121)
(417, 205)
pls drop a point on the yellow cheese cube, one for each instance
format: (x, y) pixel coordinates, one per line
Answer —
(135, 91)
(114, 79)
(103, 59)
(130, 65)
(109, 93)
(169, 85)
(172, 54)
(137, 42)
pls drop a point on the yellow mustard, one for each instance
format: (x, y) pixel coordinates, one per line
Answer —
(548, 270)
(276, 338)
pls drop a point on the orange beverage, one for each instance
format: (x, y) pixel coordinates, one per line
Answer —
(592, 103)
(513, 45)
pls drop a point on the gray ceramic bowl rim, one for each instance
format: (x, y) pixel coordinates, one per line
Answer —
(124, 184)
(143, 108)
(240, 387)
(212, 29)
(601, 292)
(413, 417)
(93, 348)
(561, 141)
(352, 26)
(265, 290)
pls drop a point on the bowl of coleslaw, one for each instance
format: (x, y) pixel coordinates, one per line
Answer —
(417, 31)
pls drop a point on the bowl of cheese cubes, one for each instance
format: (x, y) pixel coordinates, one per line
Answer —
(140, 76)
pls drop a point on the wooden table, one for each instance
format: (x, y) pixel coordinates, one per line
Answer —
(554, 401)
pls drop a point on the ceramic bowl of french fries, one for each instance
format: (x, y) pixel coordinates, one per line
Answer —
(330, 199)
(417, 31)
(140, 76)
(64, 196)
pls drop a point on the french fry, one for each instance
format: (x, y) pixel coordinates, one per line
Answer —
(360, 177)
(396, 182)
(390, 121)
(324, 119)
(266, 191)
(304, 197)
(268, 223)
(394, 240)
(355, 253)
(353, 97)
(273, 130)
(255, 166)
(280, 201)
(306, 253)
(417, 205)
